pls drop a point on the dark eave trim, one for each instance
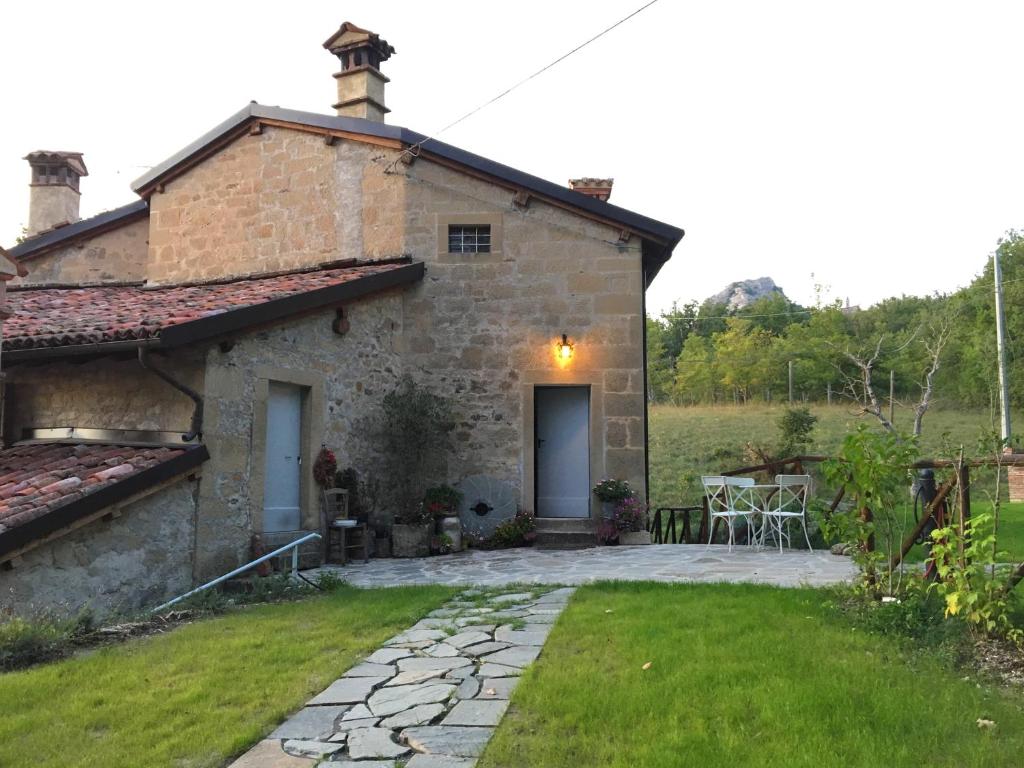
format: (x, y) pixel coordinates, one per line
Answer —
(96, 349)
(231, 321)
(108, 496)
(91, 227)
(277, 309)
(665, 234)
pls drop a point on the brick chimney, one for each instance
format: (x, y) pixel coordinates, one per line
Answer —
(599, 188)
(360, 82)
(54, 194)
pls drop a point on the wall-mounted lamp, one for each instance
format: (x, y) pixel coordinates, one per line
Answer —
(564, 348)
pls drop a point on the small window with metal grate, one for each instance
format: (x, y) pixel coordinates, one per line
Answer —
(475, 238)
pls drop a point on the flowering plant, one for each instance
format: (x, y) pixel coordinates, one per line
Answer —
(630, 514)
(442, 500)
(611, 489)
(325, 467)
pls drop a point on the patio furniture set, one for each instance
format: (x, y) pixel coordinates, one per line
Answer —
(766, 508)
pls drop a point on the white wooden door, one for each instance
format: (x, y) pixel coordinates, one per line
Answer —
(562, 432)
(284, 462)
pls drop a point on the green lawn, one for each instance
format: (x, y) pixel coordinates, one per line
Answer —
(741, 676)
(201, 693)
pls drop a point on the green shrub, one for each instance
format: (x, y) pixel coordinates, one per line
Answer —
(795, 427)
(46, 636)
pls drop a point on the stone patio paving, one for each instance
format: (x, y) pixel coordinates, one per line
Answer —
(430, 697)
(656, 562)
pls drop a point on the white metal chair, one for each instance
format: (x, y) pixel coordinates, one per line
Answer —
(730, 498)
(789, 503)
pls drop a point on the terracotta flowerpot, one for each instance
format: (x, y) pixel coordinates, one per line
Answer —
(634, 537)
(411, 540)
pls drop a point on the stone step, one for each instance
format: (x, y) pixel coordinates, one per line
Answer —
(567, 533)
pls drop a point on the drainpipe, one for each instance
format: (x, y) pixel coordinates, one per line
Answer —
(196, 428)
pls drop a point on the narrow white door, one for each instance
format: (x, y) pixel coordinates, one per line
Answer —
(283, 467)
(562, 431)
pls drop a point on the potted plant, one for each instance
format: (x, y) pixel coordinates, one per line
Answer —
(630, 520)
(442, 501)
(411, 533)
(610, 492)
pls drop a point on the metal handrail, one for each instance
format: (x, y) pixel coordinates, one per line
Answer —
(294, 547)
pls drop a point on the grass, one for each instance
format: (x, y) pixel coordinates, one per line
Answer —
(687, 442)
(741, 675)
(203, 693)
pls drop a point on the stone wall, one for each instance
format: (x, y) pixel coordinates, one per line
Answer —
(137, 560)
(117, 255)
(101, 394)
(274, 201)
(483, 327)
(344, 378)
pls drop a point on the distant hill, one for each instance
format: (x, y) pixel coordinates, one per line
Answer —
(743, 292)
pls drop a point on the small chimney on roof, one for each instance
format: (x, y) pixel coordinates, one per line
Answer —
(360, 82)
(599, 188)
(54, 195)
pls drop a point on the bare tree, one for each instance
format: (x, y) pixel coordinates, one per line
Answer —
(934, 348)
(860, 389)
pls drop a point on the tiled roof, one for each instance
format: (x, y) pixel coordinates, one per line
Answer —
(35, 480)
(61, 316)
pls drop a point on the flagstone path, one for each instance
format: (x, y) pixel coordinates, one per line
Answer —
(430, 697)
(654, 562)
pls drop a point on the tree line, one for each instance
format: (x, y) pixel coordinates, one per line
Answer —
(941, 346)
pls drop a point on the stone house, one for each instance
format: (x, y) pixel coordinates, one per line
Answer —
(170, 363)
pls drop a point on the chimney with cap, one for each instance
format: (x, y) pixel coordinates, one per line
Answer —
(54, 195)
(598, 188)
(360, 82)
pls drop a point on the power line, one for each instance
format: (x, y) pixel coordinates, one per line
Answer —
(412, 149)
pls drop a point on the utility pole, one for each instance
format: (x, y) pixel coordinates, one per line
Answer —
(1004, 397)
(790, 382)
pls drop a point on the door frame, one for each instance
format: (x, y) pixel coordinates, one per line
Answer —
(569, 378)
(311, 437)
(590, 437)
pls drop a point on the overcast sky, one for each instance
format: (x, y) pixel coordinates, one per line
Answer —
(874, 145)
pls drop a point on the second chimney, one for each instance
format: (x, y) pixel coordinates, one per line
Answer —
(54, 195)
(360, 82)
(599, 188)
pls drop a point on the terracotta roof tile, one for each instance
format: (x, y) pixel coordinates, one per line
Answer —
(30, 488)
(54, 317)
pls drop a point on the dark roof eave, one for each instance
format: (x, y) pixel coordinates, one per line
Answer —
(95, 225)
(664, 234)
(109, 495)
(233, 320)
